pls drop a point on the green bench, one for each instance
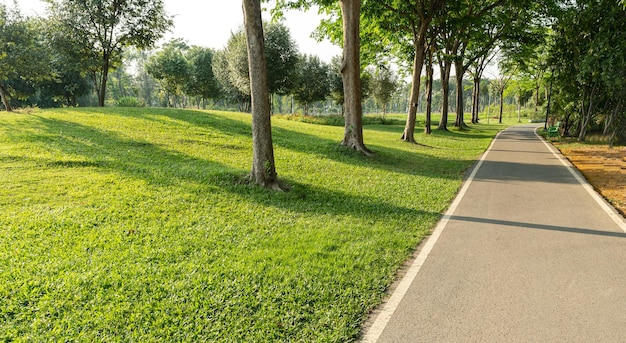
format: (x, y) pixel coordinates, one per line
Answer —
(553, 131)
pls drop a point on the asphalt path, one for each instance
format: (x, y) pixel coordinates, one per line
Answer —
(527, 252)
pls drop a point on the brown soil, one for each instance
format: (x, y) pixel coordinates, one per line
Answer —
(604, 168)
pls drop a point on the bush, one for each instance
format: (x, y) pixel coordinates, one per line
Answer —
(129, 101)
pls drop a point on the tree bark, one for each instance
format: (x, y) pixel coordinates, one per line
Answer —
(445, 88)
(4, 94)
(429, 93)
(263, 168)
(460, 105)
(501, 104)
(409, 128)
(586, 115)
(418, 62)
(103, 80)
(545, 124)
(351, 76)
(476, 100)
(419, 45)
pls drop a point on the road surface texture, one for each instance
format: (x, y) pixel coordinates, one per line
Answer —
(526, 253)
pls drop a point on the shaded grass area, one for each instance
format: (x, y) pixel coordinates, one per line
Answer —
(126, 224)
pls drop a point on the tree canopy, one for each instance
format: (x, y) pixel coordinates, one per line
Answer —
(98, 31)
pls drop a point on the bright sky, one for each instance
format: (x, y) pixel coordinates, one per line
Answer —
(209, 23)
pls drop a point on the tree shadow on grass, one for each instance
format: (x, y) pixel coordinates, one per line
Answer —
(304, 198)
(388, 159)
(86, 146)
(83, 146)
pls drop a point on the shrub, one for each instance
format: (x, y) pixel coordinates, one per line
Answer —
(129, 101)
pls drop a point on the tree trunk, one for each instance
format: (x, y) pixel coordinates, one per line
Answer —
(501, 104)
(608, 123)
(545, 124)
(586, 116)
(537, 89)
(409, 128)
(263, 168)
(476, 100)
(351, 76)
(429, 93)
(460, 110)
(519, 108)
(445, 98)
(103, 80)
(418, 63)
(4, 94)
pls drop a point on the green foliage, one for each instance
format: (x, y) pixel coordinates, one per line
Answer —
(24, 60)
(282, 58)
(133, 225)
(129, 101)
(587, 56)
(312, 81)
(385, 83)
(202, 82)
(96, 32)
(170, 67)
(231, 64)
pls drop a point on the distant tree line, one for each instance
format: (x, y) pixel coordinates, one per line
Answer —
(558, 60)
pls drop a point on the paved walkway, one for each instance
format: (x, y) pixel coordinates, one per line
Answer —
(526, 253)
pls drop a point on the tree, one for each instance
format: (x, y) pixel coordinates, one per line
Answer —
(282, 57)
(202, 82)
(499, 85)
(350, 65)
(336, 83)
(405, 21)
(170, 67)
(100, 30)
(263, 167)
(231, 66)
(351, 76)
(312, 81)
(385, 83)
(67, 84)
(23, 57)
(145, 84)
(588, 61)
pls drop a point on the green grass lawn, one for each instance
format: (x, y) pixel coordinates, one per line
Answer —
(127, 225)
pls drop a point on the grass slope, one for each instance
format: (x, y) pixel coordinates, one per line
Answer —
(132, 225)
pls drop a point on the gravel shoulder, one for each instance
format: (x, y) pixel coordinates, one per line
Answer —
(604, 168)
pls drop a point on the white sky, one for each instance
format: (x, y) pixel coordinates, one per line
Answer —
(209, 23)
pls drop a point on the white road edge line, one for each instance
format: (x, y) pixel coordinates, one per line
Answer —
(609, 209)
(373, 333)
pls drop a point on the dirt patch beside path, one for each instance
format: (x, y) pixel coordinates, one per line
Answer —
(604, 168)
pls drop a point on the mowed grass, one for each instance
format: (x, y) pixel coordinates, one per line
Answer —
(133, 225)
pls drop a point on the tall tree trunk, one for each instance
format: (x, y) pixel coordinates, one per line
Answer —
(608, 122)
(460, 103)
(419, 45)
(476, 100)
(103, 80)
(501, 104)
(429, 93)
(586, 115)
(545, 124)
(263, 168)
(537, 89)
(409, 128)
(351, 76)
(445, 98)
(4, 94)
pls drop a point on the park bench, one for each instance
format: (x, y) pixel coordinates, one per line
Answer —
(553, 131)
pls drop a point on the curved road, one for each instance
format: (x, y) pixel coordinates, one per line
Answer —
(526, 253)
